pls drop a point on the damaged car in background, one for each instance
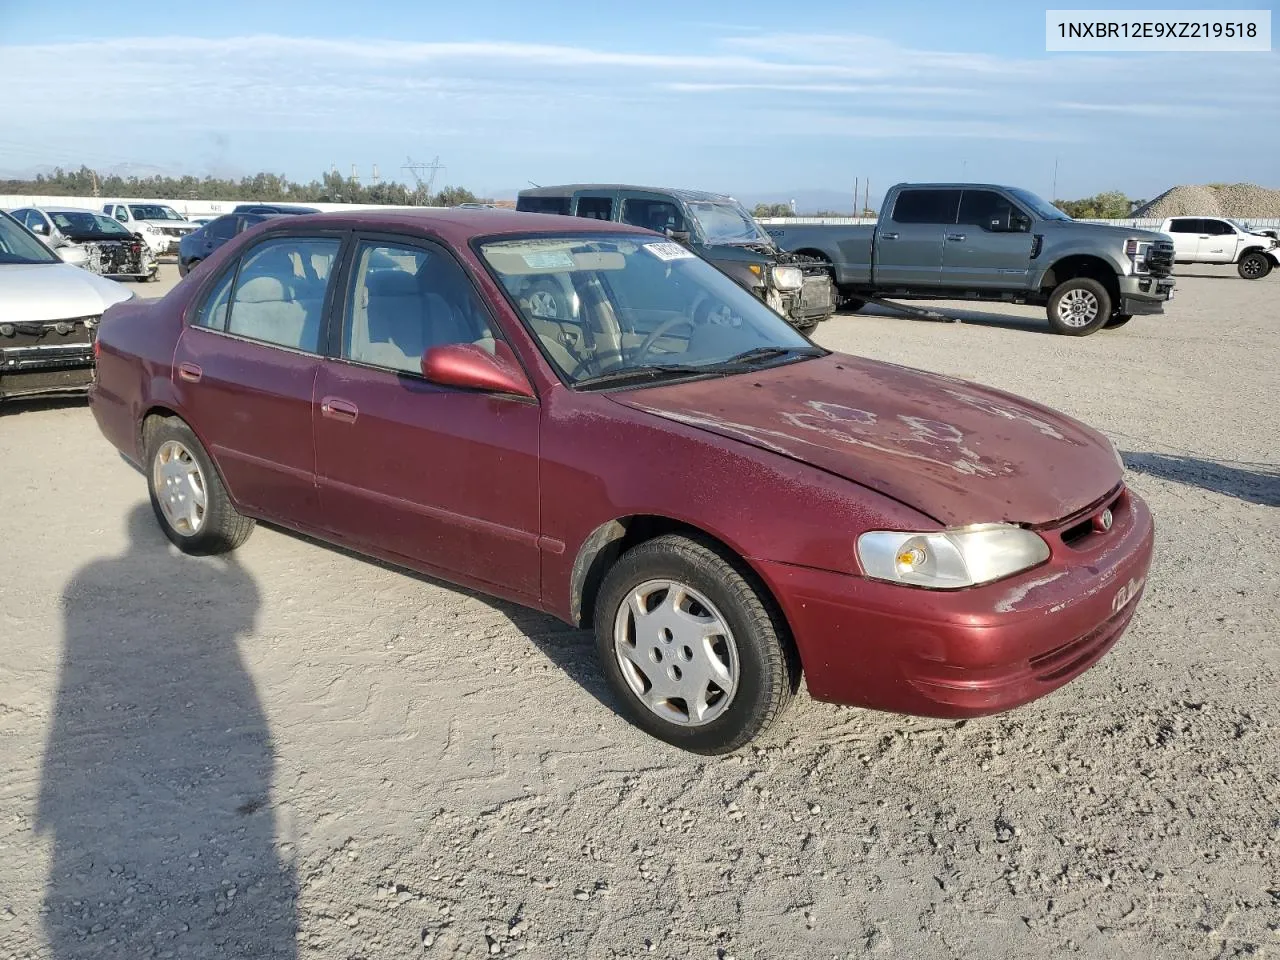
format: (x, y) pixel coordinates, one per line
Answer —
(715, 227)
(161, 226)
(91, 240)
(49, 314)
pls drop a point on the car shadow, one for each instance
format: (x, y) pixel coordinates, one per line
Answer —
(963, 315)
(572, 649)
(156, 784)
(20, 405)
(1254, 483)
(1207, 276)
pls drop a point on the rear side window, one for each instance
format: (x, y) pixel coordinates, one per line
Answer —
(280, 292)
(927, 206)
(543, 205)
(595, 208)
(1184, 225)
(224, 228)
(656, 215)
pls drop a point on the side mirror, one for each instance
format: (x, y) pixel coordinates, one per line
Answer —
(679, 236)
(467, 365)
(40, 228)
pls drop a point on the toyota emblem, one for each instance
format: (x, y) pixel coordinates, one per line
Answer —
(1106, 519)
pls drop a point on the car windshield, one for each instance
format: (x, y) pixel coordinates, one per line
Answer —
(153, 211)
(615, 309)
(727, 223)
(1041, 208)
(19, 246)
(85, 225)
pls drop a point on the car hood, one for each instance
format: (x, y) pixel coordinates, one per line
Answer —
(34, 292)
(1121, 233)
(958, 452)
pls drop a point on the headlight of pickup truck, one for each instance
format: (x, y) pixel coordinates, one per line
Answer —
(950, 559)
(788, 278)
(1137, 252)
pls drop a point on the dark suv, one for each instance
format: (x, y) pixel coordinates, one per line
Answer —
(272, 208)
(194, 247)
(715, 227)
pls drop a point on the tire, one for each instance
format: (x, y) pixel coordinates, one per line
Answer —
(178, 471)
(1078, 307)
(1118, 320)
(753, 650)
(1254, 266)
(807, 328)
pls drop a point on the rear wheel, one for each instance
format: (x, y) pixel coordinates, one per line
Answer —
(1118, 320)
(697, 655)
(1078, 307)
(1254, 266)
(187, 494)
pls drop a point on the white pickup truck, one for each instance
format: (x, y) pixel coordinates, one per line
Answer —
(1219, 240)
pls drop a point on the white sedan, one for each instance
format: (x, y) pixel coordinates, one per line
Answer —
(49, 312)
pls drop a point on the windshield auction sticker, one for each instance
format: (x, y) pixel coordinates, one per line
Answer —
(1153, 31)
(669, 251)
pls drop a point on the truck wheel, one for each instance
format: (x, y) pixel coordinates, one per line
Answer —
(1079, 306)
(1254, 266)
(1119, 320)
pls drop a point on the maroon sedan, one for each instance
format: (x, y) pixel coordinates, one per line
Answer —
(588, 419)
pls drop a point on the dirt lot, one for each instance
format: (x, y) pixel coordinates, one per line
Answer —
(302, 753)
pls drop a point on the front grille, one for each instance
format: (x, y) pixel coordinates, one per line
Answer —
(173, 231)
(816, 292)
(1160, 258)
(47, 345)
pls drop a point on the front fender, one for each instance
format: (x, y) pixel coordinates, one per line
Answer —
(1053, 255)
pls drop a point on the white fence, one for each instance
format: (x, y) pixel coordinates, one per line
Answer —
(206, 208)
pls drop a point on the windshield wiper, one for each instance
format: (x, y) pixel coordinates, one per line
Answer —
(650, 371)
(758, 355)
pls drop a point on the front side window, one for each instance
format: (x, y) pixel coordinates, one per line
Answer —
(405, 300)
(927, 206)
(280, 292)
(655, 215)
(224, 228)
(18, 246)
(213, 313)
(606, 308)
(988, 210)
(1218, 228)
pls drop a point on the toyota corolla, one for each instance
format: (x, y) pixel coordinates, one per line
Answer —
(662, 458)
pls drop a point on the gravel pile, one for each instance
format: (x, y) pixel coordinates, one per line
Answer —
(1194, 200)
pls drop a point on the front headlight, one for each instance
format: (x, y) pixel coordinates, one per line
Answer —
(950, 559)
(1137, 251)
(788, 278)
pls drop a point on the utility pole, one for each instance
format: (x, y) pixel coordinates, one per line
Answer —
(855, 196)
(866, 196)
(1053, 195)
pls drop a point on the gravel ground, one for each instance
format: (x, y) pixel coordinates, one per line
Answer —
(303, 753)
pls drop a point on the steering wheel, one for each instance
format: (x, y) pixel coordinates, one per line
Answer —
(667, 324)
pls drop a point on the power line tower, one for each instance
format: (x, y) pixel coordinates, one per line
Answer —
(416, 170)
(375, 178)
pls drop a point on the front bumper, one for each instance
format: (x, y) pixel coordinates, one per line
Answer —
(978, 651)
(1143, 294)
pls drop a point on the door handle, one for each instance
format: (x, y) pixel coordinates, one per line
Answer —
(888, 236)
(1204, 236)
(956, 237)
(336, 409)
(190, 372)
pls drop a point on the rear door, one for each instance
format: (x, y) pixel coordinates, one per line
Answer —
(444, 476)
(1186, 233)
(990, 245)
(245, 367)
(908, 242)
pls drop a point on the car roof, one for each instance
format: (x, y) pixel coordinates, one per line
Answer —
(65, 210)
(957, 186)
(679, 192)
(458, 226)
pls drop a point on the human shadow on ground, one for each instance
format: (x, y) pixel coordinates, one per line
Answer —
(157, 775)
(1254, 483)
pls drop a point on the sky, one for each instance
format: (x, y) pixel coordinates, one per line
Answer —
(750, 98)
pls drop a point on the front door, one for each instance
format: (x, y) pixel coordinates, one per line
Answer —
(990, 245)
(1218, 241)
(245, 367)
(442, 476)
(908, 241)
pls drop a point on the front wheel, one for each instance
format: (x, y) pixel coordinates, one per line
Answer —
(1118, 320)
(1078, 307)
(696, 654)
(852, 304)
(187, 494)
(1254, 266)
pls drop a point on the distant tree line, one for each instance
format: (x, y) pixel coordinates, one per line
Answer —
(331, 188)
(1109, 205)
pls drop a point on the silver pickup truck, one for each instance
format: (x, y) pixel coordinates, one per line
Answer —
(969, 241)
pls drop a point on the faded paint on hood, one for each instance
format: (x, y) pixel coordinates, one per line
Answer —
(959, 452)
(37, 292)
